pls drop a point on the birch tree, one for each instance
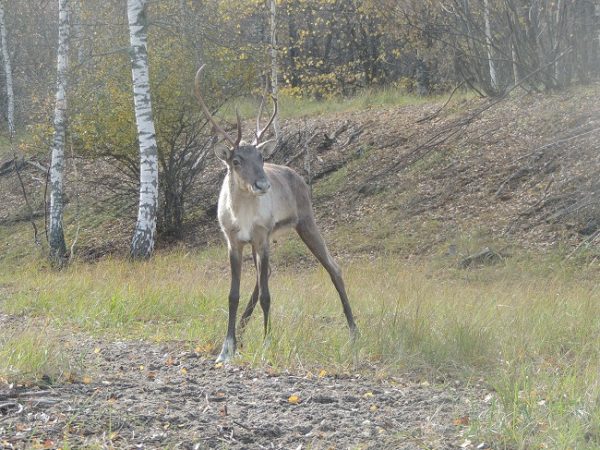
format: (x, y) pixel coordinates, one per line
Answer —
(56, 237)
(488, 36)
(10, 97)
(274, 66)
(145, 230)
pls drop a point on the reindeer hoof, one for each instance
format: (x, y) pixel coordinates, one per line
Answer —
(227, 352)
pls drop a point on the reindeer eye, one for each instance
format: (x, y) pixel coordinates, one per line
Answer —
(237, 163)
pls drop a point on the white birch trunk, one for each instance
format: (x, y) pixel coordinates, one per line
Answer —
(488, 37)
(56, 237)
(8, 71)
(515, 66)
(274, 67)
(145, 230)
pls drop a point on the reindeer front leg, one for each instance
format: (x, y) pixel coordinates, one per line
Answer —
(235, 261)
(264, 295)
(260, 247)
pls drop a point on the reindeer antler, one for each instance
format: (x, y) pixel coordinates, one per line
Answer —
(259, 131)
(210, 118)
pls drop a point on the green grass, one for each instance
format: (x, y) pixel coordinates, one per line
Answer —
(528, 328)
(33, 356)
(298, 107)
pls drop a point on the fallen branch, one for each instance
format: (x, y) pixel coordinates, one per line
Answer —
(434, 114)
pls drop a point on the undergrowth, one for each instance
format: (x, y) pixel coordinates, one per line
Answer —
(527, 328)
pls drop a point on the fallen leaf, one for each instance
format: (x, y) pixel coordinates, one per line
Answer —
(97, 350)
(272, 372)
(86, 379)
(464, 420)
(294, 399)
(373, 408)
(22, 427)
(206, 348)
(170, 361)
(49, 443)
(141, 367)
(322, 373)
(218, 365)
(183, 371)
(368, 395)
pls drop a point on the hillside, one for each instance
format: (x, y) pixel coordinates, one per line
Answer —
(121, 353)
(520, 173)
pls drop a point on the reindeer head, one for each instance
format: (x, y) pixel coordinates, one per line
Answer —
(244, 161)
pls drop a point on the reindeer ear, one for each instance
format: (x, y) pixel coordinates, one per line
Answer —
(267, 148)
(223, 152)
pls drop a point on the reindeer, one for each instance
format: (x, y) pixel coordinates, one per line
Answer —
(256, 200)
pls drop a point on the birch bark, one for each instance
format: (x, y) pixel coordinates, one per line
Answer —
(488, 38)
(274, 67)
(8, 71)
(144, 235)
(56, 239)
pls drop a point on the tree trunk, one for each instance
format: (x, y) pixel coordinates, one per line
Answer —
(515, 65)
(293, 50)
(58, 249)
(274, 67)
(10, 97)
(488, 44)
(142, 243)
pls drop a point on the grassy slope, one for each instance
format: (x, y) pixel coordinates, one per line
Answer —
(528, 328)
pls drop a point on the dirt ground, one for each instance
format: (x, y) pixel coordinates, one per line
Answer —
(143, 395)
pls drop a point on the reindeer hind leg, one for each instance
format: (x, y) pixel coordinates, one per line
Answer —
(310, 235)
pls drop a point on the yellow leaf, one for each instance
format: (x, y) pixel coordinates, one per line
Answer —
(322, 373)
(86, 379)
(368, 395)
(183, 371)
(461, 421)
(294, 399)
(373, 408)
(218, 365)
(97, 350)
(204, 348)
